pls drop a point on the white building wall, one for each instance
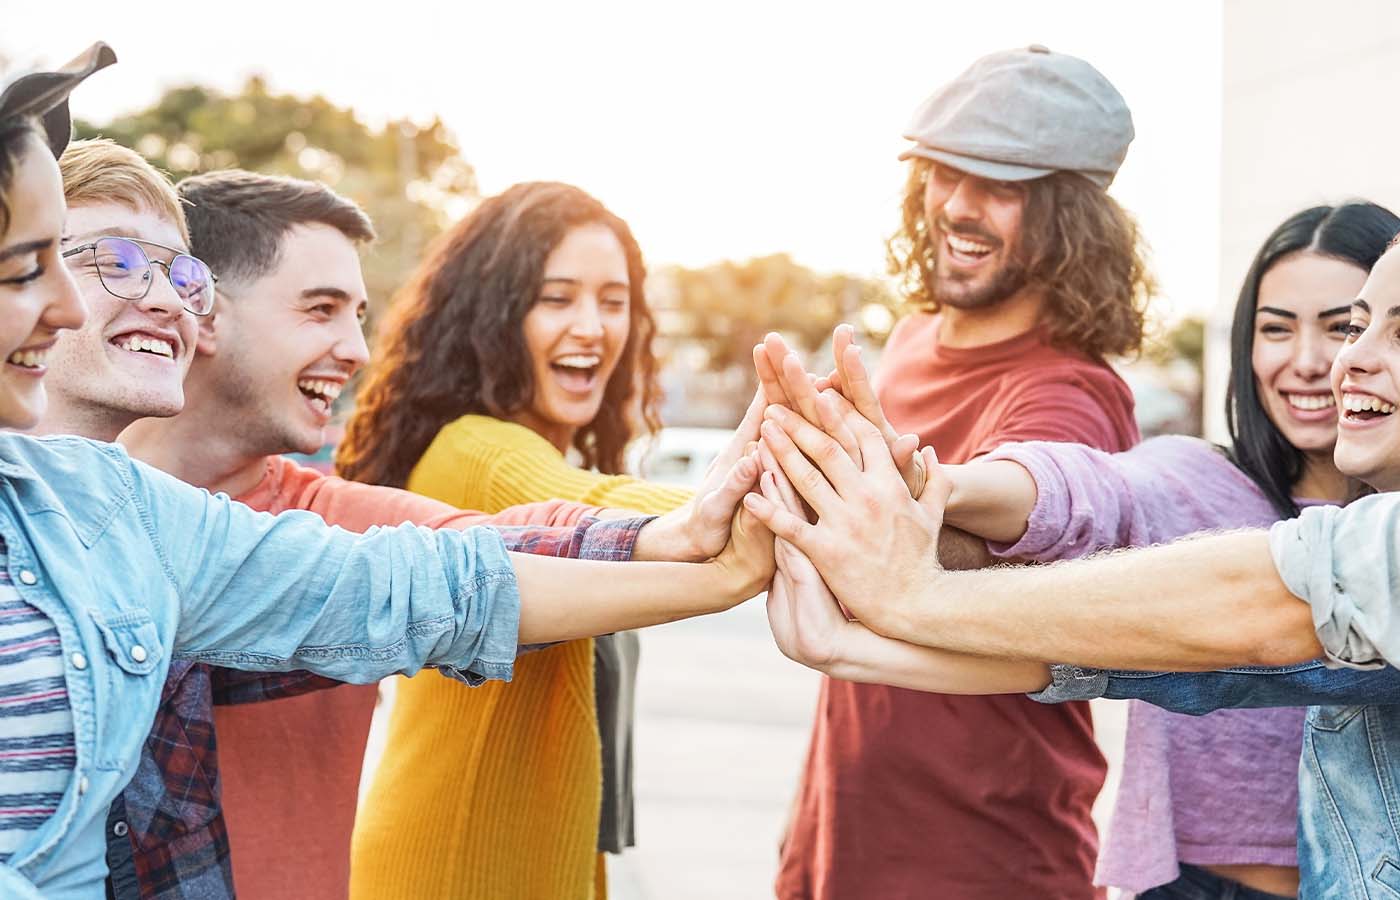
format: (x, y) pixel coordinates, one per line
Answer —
(1309, 116)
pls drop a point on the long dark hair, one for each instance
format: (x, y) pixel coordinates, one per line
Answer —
(1353, 232)
(18, 135)
(454, 341)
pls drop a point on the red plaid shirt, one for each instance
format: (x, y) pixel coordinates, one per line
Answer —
(166, 837)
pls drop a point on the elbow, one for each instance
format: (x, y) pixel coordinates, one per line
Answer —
(1284, 636)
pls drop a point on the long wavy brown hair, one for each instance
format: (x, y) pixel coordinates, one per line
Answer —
(1077, 244)
(453, 342)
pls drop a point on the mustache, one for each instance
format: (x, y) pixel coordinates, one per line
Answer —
(969, 230)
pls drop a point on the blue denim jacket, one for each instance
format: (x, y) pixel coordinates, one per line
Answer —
(1349, 773)
(136, 569)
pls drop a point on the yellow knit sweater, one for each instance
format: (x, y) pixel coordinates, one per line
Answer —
(493, 793)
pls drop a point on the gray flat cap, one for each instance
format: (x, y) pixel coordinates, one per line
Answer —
(1022, 114)
(44, 95)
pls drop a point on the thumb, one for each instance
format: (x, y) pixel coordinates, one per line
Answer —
(937, 486)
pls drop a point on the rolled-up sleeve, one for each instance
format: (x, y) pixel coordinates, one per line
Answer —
(1343, 563)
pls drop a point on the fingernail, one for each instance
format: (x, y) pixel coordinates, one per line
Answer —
(751, 501)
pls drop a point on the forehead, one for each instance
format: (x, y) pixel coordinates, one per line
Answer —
(35, 198)
(1307, 283)
(1384, 284)
(588, 251)
(311, 257)
(93, 220)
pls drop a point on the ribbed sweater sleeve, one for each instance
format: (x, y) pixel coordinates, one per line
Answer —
(1162, 489)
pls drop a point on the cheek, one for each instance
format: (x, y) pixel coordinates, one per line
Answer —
(1268, 360)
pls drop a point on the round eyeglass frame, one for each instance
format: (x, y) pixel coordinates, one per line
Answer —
(141, 245)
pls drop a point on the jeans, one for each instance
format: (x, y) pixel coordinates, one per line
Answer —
(1196, 883)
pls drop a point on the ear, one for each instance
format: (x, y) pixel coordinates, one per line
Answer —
(206, 343)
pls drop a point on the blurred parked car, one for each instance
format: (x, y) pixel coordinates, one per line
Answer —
(677, 456)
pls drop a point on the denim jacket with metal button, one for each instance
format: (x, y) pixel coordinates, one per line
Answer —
(136, 569)
(1345, 563)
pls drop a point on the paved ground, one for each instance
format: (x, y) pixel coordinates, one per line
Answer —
(721, 733)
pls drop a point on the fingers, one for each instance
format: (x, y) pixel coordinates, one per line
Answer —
(903, 450)
(768, 383)
(844, 336)
(795, 441)
(782, 523)
(874, 449)
(717, 506)
(858, 388)
(738, 446)
(836, 427)
(798, 386)
(937, 487)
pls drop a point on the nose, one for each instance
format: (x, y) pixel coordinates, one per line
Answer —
(65, 308)
(162, 298)
(587, 321)
(1360, 357)
(350, 348)
(964, 202)
(1312, 357)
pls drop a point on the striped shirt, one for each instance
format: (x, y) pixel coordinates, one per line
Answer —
(36, 721)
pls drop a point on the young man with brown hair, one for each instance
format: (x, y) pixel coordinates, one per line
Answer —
(1027, 275)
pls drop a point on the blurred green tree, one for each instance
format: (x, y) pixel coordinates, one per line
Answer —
(412, 180)
(729, 306)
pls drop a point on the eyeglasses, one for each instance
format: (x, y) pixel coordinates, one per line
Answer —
(125, 271)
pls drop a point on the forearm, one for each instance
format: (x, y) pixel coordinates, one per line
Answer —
(1203, 603)
(865, 656)
(563, 599)
(992, 500)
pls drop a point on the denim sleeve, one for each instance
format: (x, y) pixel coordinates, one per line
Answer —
(1343, 562)
(1197, 693)
(269, 593)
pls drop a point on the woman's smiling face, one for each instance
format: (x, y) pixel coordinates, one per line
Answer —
(38, 297)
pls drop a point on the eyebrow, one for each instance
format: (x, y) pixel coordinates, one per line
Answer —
(118, 231)
(331, 293)
(26, 247)
(1325, 314)
(574, 281)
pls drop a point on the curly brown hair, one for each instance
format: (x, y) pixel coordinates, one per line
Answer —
(453, 342)
(1077, 244)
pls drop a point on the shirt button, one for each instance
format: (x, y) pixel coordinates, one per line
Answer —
(120, 829)
(82, 785)
(28, 577)
(138, 653)
(78, 660)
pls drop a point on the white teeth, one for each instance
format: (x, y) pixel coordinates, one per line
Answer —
(328, 390)
(1366, 403)
(1311, 401)
(29, 359)
(137, 344)
(579, 361)
(963, 245)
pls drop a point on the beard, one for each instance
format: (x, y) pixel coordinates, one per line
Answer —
(969, 294)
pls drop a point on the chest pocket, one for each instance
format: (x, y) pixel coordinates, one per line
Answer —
(131, 669)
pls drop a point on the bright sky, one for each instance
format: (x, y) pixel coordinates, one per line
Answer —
(718, 130)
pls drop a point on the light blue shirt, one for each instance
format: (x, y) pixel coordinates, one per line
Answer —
(1344, 562)
(136, 569)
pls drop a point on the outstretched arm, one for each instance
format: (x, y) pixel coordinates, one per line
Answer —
(1201, 604)
(809, 627)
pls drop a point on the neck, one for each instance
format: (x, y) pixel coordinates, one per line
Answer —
(197, 447)
(1321, 480)
(85, 420)
(558, 434)
(999, 321)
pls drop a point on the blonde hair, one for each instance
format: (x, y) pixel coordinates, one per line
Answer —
(102, 171)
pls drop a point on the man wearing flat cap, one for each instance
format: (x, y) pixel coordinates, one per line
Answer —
(1025, 275)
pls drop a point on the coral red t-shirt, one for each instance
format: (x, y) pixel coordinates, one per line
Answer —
(290, 769)
(916, 795)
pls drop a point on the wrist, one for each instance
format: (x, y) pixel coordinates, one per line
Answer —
(665, 539)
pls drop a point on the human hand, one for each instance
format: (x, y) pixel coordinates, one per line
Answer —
(784, 382)
(874, 546)
(700, 529)
(805, 618)
(746, 562)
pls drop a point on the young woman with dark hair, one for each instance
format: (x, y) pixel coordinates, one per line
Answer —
(1207, 805)
(524, 336)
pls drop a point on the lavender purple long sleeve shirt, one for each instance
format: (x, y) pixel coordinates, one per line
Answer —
(1218, 789)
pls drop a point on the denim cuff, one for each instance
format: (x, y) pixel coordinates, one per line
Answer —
(1072, 683)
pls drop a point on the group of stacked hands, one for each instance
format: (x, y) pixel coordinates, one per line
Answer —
(128, 596)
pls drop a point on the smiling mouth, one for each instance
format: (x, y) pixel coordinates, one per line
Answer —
(1310, 402)
(967, 250)
(29, 359)
(321, 393)
(1365, 408)
(138, 343)
(577, 372)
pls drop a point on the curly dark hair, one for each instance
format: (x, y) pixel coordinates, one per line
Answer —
(1077, 244)
(453, 343)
